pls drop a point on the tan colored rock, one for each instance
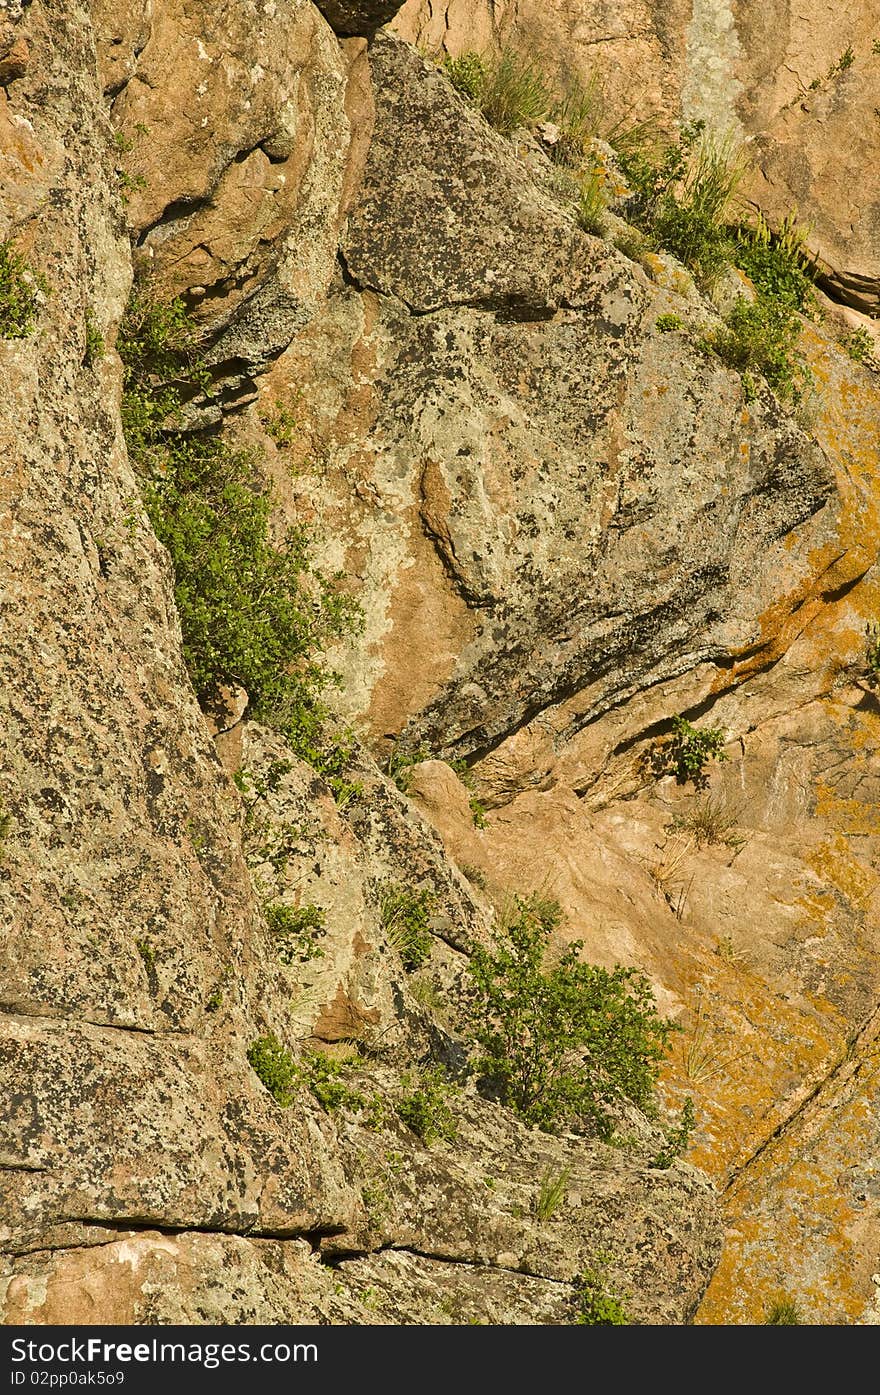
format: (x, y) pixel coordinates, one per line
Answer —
(234, 156)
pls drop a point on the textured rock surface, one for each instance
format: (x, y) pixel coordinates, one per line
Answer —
(358, 16)
(800, 80)
(564, 527)
(233, 145)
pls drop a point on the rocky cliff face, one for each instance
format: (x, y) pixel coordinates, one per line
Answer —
(564, 524)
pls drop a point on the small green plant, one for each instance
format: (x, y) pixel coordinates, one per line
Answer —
(281, 424)
(145, 949)
(581, 115)
(777, 263)
(682, 194)
(401, 762)
(711, 822)
(19, 294)
(846, 60)
(595, 1304)
(217, 994)
(561, 1044)
(467, 73)
(759, 339)
(253, 611)
(669, 323)
(296, 931)
(515, 93)
(425, 1108)
(592, 204)
(686, 751)
(551, 1192)
(275, 1068)
(859, 345)
(325, 1079)
(783, 1312)
(872, 654)
(404, 916)
(94, 345)
(677, 1137)
(510, 90)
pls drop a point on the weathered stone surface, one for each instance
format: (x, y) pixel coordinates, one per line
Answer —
(816, 157)
(358, 16)
(608, 505)
(234, 141)
(798, 82)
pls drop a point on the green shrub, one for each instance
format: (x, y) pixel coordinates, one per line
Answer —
(668, 323)
(759, 339)
(324, 1077)
(777, 263)
(859, 345)
(425, 1108)
(19, 299)
(561, 1045)
(296, 931)
(595, 1305)
(467, 73)
(686, 751)
(276, 1068)
(404, 915)
(252, 611)
(681, 195)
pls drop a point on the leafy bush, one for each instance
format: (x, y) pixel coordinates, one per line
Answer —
(596, 1306)
(561, 1045)
(859, 345)
(686, 751)
(276, 1068)
(296, 931)
(759, 340)
(404, 916)
(677, 1137)
(425, 1108)
(19, 300)
(252, 611)
(467, 73)
(777, 263)
(510, 90)
(667, 323)
(326, 1082)
(682, 192)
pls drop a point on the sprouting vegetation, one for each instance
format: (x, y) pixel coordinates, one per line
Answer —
(559, 1041)
(19, 294)
(424, 1106)
(296, 931)
(253, 611)
(276, 1068)
(685, 752)
(596, 1305)
(404, 915)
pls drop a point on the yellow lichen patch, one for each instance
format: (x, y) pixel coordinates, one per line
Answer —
(746, 1055)
(801, 1227)
(834, 861)
(850, 816)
